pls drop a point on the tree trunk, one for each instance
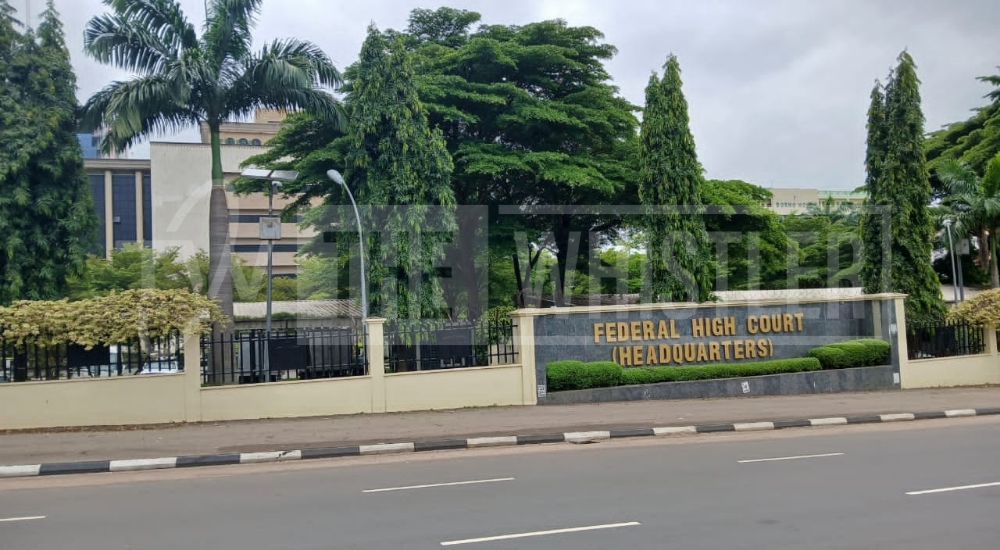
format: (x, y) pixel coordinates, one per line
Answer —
(220, 276)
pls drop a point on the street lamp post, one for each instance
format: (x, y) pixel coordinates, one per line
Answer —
(270, 230)
(955, 281)
(335, 177)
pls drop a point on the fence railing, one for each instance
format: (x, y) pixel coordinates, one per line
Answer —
(26, 361)
(434, 344)
(255, 356)
(942, 339)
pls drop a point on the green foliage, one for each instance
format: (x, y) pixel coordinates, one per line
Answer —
(577, 375)
(980, 310)
(751, 244)
(395, 159)
(530, 117)
(134, 267)
(973, 203)
(654, 375)
(973, 142)
(670, 176)
(825, 250)
(898, 181)
(853, 354)
(46, 211)
(111, 319)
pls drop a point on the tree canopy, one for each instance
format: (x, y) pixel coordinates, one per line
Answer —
(671, 186)
(47, 216)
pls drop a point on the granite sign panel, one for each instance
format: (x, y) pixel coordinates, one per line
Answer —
(697, 336)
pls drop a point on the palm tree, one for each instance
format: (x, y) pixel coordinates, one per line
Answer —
(835, 211)
(975, 206)
(183, 79)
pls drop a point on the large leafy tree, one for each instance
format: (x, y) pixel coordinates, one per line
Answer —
(901, 183)
(396, 161)
(185, 79)
(46, 212)
(671, 184)
(530, 118)
(972, 142)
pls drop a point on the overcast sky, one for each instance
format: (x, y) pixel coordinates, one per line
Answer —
(777, 89)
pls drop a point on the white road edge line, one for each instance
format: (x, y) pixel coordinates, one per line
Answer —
(789, 458)
(26, 470)
(951, 489)
(960, 413)
(541, 533)
(386, 448)
(430, 485)
(754, 426)
(838, 421)
(491, 441)
(903, 417)
(142, 464)
(28, 518)
(675, 430)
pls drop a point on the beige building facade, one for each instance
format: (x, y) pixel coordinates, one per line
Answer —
(163, 201)
(797, 201)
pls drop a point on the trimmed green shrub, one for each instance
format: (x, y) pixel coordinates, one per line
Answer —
(576, 375)
(867, 352)
(655, 375)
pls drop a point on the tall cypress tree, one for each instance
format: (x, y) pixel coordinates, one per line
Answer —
(670, 185)
(49, 218)
(873, 226)
(397, 161)
(902, 183)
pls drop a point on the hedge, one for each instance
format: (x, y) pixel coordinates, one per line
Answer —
(577, 375)
(853, 354)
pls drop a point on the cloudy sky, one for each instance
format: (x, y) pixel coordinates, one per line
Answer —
(777, 89)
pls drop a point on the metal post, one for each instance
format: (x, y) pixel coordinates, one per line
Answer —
(954, 272)
(961, 276)
(266, 363)
(270, 258)
(361, 250)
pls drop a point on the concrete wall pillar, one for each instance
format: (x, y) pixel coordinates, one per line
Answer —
(375, 356)
(532, 385)
(192, 376)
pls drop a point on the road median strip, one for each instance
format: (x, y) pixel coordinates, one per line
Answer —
(126, 465)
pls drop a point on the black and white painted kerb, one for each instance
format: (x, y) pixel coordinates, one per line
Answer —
(134, 465)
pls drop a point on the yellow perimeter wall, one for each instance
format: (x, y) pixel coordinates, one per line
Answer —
(172, 398)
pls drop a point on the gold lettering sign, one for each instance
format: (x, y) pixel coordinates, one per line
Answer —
(646, 343)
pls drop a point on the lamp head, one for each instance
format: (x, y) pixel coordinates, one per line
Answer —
(335, 177)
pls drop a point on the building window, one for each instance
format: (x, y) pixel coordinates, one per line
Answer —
(230, 141)
(255, 142)
(147, 210)
(243, 141)
(123, 209)
(97, 192)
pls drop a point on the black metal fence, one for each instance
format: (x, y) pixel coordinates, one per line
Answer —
(928, 340)
(26, 361)
(254, 356)
(434, 344)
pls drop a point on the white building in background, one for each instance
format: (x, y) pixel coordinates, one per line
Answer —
(797, 201)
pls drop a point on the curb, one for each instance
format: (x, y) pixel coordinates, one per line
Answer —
(134, 465)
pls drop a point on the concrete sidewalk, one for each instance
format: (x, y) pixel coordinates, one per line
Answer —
(310, 433)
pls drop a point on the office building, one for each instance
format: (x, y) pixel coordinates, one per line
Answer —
(798, 201)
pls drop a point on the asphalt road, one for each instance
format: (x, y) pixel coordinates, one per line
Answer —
(835, 488)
